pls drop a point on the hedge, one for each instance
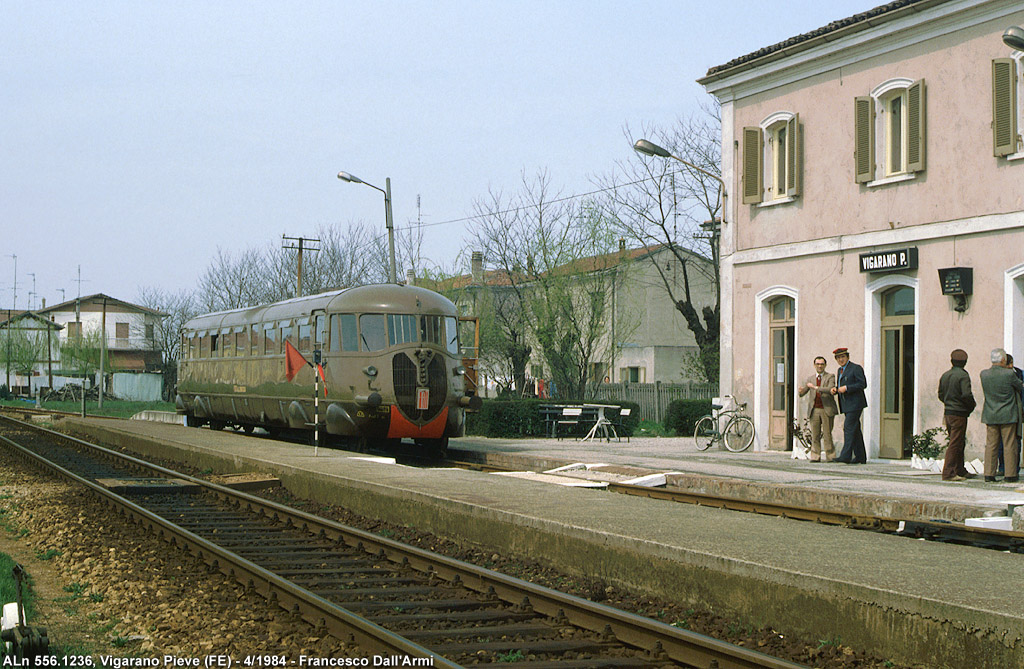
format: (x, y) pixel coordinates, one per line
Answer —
(522, 418)
(682, 415)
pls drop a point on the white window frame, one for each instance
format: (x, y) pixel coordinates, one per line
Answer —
(770, 128)
(883, 95)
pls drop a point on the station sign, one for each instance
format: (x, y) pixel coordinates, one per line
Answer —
(893, 260)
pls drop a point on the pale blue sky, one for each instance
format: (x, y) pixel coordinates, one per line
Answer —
(136, 138)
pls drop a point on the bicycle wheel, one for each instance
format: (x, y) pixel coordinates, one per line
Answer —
(705, 433)
(739, 434)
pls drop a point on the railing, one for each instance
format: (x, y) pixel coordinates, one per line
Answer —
(654, 398)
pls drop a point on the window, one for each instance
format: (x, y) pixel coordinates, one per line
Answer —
(373, 329)
(632, 374)
(193, 346)
(889, 125)
(215, 345)
(74, 329)
(286, 333)
(241, 340)
(149, 331)
(451, 333)
(430, 329)
(121, 335)
(254, 339)
(401, 328)
(773, 160)
(228, 344)
(320, 330)
(269, 338)
(305, 337)
(343, 333)
(1007, 108)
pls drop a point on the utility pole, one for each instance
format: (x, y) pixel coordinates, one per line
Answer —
(301, 245)
(103, 349)
(32, 295)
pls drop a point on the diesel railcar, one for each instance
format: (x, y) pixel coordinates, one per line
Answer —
(391, 361)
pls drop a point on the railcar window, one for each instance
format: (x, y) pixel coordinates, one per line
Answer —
(343, 333)
(451, 334)
(373, 331)
(305, 337)
(242, 341)
(401, 328)
(228, 345)
(214, 345)
(430, 329)
(193, 346)
(254, 339)
(269, 339)
(204, 346)
(286, 333)
(320, 331)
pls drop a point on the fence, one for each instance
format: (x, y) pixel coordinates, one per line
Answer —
(654, 398)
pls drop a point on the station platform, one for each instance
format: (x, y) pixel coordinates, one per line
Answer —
(915, 602)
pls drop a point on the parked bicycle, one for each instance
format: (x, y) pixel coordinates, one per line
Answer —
(802, 431)
(737, 435)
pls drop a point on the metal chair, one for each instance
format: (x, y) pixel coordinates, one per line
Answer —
(620, 422)
(570, 417)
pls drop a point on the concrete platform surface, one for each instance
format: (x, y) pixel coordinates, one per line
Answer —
(910, 601)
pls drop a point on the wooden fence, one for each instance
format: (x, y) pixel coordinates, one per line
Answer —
(654, 398)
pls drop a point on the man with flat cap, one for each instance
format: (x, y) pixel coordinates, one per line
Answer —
(958, 400)
(849, 391)
(1001, 414)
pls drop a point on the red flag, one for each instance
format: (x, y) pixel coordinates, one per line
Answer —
(293, 360)
(320, 369)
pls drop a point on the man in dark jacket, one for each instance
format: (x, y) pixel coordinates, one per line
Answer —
(958, 400)
(849, 391)
(1001, 415)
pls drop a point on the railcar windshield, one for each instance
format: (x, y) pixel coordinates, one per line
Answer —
(373, 329)
(401, 329)
(451, 331)
(430, 330)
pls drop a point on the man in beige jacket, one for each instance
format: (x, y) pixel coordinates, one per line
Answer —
(821, 410)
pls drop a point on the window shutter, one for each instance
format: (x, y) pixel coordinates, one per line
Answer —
(794, 156)
(1004, 106)
(864, 139)
(915, 126)
(753, 152)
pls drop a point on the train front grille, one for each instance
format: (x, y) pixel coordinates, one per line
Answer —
(406, 376)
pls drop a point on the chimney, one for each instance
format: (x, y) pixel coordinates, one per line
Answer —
(44, 303)
(477, 267)
(622, 244)
(410, 277)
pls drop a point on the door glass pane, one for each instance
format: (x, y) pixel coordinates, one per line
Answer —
(891, 355)
(899, 302)
(778, 370)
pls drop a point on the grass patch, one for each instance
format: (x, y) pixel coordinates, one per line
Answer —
(650, 428)
(116, 408)
(9, 589)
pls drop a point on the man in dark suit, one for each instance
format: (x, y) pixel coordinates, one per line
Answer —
(849, 390)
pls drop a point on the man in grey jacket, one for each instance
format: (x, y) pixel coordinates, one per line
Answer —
(1001, 415)
(958, 400)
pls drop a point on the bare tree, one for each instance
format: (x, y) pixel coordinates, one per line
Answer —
(552, 254)
(660, 202)
(179, 307)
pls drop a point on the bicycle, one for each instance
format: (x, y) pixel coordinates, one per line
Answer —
(802, 431)
(737, 435)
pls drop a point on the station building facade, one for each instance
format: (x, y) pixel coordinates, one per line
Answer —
(875, 172)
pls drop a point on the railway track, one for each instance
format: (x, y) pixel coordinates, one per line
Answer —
(389, 599)
(932, 530)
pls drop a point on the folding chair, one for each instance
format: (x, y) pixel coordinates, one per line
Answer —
(570, 417)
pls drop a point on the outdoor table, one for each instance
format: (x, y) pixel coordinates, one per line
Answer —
(602, 424)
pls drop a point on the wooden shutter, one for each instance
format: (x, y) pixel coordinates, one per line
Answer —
(794, 156)
(1004, 106)
(864, 139)
(753, 154)
(915, 126)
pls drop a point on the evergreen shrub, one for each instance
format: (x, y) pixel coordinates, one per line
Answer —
(682, 415)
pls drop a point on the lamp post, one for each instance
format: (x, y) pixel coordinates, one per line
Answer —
(651, 149)
(1014, 38)
(345, 176)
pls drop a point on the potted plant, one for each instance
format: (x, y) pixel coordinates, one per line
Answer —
(929, 449)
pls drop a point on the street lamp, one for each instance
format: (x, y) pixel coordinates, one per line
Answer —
(651, 149)
(345, 176)
(1014, 38)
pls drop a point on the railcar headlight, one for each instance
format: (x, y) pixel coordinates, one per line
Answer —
(370, 370)
(459, 370)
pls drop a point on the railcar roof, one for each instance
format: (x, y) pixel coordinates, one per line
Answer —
(382, 297)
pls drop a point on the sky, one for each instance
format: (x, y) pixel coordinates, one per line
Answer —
(137, 139)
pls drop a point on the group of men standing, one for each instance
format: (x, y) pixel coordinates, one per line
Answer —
(1002, 413)
(842, 392)
(1002, 385)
